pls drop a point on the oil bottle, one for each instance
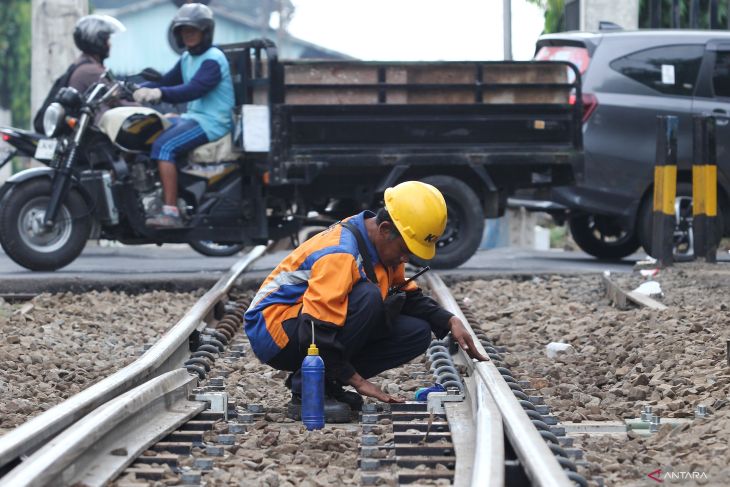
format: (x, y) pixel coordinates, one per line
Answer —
(313, 388)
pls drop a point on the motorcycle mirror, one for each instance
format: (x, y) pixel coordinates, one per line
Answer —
(69, 97)
(151, 74)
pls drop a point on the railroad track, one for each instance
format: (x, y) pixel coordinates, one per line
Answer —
(71, 442)
(146, 419)
(484, 430)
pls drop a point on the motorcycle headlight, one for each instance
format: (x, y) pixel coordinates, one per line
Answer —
(53, 118)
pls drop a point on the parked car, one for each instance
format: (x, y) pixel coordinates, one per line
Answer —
(629, 78)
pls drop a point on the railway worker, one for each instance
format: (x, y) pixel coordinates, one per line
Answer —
(202, 78)
(341, 286)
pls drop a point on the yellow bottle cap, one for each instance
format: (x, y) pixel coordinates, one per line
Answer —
(313, 350)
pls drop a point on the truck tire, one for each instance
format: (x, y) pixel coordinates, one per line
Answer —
(214, 249)
(21, 234)
(464, 227)
(683, 249)
(602, 237)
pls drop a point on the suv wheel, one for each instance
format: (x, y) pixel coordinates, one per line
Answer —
(602, 236)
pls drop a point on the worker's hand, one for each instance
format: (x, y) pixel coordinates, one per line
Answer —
(147, 95)
(464, 339)
(367, 388)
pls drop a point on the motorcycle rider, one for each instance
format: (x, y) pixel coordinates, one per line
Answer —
(92, 35)
(202, 78)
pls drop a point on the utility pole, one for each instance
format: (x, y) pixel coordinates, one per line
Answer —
(53, 48)
(507, 28)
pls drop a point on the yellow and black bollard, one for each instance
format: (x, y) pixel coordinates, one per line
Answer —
(665, 189)
(704, 189)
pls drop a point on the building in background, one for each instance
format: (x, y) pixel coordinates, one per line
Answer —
(588, 14)
(145, 43)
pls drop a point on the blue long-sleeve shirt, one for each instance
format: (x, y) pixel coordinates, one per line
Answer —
(204, 81)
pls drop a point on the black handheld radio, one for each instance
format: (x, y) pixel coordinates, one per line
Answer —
(395, 289)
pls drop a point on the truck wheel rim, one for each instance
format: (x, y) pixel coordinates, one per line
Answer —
(32, 232)
(453, 224)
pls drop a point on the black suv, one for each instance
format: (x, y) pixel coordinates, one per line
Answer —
(628, 79)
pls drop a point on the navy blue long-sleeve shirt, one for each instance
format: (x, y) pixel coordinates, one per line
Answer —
(175, 90)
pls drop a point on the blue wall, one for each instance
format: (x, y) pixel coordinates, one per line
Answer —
(144, 44)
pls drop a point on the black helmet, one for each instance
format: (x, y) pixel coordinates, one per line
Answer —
(92, 33)
(193, 15)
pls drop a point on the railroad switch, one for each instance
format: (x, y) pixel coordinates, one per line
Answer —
(217, 402)
(436, 400)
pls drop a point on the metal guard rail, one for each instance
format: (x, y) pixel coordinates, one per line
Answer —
(78, 455)
(165, 355)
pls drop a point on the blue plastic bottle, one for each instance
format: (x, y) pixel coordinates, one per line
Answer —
(313, 389)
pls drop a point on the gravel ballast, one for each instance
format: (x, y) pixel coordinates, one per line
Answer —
(621, 360)
(54, 346)
(277, 451)
(673, 360)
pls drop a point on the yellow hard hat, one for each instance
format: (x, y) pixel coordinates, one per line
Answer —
(418, 211)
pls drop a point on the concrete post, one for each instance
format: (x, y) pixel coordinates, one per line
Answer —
(622, 12)
(665, 190)
(53, 48)
(521, 228)
(704, 189)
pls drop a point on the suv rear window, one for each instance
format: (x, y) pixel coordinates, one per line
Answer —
(671, 70)
(574, 54)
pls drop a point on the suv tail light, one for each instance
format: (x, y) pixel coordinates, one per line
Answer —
(590, 103)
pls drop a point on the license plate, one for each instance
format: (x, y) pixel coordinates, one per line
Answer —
(46, 149)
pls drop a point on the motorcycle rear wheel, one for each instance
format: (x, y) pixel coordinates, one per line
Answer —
(23, 236)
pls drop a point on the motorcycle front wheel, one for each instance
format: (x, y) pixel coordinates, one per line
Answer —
(28, 242)
(214, 249)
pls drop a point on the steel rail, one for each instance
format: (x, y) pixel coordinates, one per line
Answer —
(85, 454)
(489, 448)
(539, 463)
(165, 355)
(476, 417)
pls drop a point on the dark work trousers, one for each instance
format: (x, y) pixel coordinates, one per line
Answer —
(367, 345)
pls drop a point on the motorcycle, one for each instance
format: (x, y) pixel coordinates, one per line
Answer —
(101, 183)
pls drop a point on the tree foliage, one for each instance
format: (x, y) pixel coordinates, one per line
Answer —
(554, 10)
(684, 8)
(553, 14)
(15, 55)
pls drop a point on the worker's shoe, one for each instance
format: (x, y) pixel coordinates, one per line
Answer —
(351, 398)
(334, 411)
